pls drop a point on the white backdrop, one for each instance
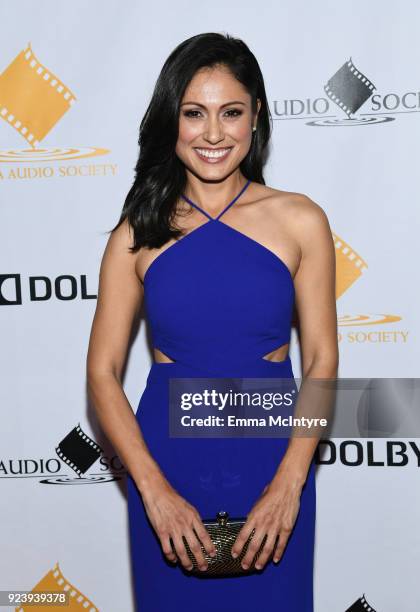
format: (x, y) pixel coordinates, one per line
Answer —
(68, 145)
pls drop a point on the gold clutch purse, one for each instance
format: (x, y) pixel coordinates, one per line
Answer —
(223, 532)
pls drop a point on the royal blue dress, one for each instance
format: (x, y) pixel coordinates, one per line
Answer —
(217, 302)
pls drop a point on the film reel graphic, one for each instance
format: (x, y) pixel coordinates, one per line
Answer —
(78, 450)
(350, 266)
(33, 100)
(50, 98)
(349, 88)
(56, 582)
(361, 605)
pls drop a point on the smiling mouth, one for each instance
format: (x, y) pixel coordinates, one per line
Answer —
(213, 155)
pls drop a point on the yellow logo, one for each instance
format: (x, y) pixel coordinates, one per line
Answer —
(349, 268)
(54, 581)
(33, 100)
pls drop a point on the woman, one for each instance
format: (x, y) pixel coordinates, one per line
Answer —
(220, 260)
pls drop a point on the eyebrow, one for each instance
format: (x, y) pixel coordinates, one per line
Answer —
(223, 105)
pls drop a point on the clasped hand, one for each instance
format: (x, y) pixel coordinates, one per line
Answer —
(273, 515)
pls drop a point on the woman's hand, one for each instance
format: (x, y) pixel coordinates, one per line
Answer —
(173, 517)
(273, 514)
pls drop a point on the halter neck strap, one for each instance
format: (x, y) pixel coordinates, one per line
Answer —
(224, 210)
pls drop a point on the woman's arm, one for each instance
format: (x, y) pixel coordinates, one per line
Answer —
(315, 286)
(119, 299)
(274, 513)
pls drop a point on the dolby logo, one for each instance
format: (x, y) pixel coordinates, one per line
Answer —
(369, 453)
(16, 290)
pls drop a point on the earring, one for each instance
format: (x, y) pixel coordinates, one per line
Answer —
(254, 129)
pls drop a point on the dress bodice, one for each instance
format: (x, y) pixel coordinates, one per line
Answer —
(217, 296)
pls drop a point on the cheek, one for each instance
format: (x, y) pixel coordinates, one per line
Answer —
(187, 132)
(240, 132)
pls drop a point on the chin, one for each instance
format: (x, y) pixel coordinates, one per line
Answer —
(213, 174)
(213, 171)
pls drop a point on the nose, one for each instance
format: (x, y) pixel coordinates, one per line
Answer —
(214, 132)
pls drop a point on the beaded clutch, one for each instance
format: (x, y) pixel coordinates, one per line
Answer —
(223, 532)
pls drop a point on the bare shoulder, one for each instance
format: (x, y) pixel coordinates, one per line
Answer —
(119, 243)
(308, 221)
(121, 239)
(298, 206)
(299, 212)
(118, 259)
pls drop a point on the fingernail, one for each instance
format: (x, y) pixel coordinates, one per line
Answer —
(234, 555)
(258, 566)
(276, 560)
(245, 566)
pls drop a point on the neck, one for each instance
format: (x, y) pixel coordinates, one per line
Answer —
(211, 195)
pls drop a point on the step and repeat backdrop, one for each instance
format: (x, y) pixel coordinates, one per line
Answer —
(75, 80)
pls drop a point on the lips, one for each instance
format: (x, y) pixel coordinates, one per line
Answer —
(213, 156)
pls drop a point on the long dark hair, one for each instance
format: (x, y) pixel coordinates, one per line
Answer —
(160, 176)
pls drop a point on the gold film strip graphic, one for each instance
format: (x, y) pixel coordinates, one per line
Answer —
(32, 98)
(350, 266)
(55, 581)
(361, 77)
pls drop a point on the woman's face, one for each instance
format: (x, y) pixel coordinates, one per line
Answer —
(215, 124)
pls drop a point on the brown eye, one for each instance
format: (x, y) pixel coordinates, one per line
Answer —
(234, 112)
(190, 113)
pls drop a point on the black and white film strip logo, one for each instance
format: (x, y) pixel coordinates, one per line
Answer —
(349, 88)
(78, 450)
(361, 605)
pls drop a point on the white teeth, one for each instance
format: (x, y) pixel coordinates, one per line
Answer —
(207, 153)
